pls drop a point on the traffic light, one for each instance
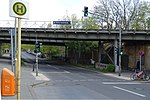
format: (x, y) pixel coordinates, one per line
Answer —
(116, 50)
(37, 47)
(121, 50)
(85, 11)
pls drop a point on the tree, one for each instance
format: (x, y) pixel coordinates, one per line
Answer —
(78, 47)
(148, 23)
(75, 22)
(65, 18)
(141, 20)
(116, 12)
(89, 23)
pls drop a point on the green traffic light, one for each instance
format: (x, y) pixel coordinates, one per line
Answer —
(85, 11)
(37, 47)
(121, 51)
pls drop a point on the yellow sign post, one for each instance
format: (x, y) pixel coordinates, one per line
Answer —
(18, 9)
(19, 58)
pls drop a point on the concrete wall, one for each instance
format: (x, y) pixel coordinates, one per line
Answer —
(147, 57)
(0, 49)
(133, 52)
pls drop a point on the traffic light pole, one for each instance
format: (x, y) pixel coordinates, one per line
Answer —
(120, 31)
(36, 64)
(36, 58)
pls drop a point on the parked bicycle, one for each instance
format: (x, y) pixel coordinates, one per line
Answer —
(140, 75)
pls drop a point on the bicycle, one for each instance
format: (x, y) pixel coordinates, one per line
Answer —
(138, 75)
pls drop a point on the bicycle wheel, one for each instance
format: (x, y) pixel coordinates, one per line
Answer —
(133, 76)
(146, 77)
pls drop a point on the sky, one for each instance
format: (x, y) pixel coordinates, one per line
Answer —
(49, 10)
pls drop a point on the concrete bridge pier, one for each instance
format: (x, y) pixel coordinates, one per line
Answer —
(100, 46)
(0, 49)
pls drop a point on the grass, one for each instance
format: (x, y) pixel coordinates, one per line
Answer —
(23, 63)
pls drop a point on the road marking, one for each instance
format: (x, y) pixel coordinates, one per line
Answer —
(115, 75)
(40, 77)
(53, 67)
(141, 95)
(64, 72)
(107, 83)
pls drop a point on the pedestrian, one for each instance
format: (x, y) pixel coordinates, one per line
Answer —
(138, 65)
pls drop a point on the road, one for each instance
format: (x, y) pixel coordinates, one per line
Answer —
(60, 81)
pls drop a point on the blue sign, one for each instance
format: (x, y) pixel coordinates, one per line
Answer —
(62, 22)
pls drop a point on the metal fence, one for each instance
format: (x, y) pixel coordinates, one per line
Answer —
(28, 24)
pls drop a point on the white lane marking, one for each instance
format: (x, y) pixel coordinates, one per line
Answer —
(64, 71)
(40, 77)
(141, 95)
(53, 67)
(107, 83)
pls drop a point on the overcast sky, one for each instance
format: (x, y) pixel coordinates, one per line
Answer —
(49, 10)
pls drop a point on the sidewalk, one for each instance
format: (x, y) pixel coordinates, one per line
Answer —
(26, 80)
(124, 75)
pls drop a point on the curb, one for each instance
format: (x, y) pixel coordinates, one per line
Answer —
(116, 76)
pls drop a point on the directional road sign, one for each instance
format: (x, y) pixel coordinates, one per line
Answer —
(62, 22)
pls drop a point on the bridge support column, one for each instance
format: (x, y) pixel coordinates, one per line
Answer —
(66, 53)
(115, 55)
(0, 49)
(100, 45)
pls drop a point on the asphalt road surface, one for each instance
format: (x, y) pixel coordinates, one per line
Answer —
(65, 82)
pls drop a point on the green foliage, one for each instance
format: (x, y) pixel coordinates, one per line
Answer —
(51, 50)
(84, 46)
(22, 63)
(75, 22)
(148, 23)
(109, 68)
(28, 46)
(141, 20)
(65, 18)
(4, 46)
(89, 23)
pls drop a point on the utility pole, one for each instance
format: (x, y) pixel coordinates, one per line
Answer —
(36, 64)
(36, 57)
(120, 32)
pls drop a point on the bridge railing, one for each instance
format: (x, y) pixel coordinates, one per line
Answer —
(49, 24)
(30, 24)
